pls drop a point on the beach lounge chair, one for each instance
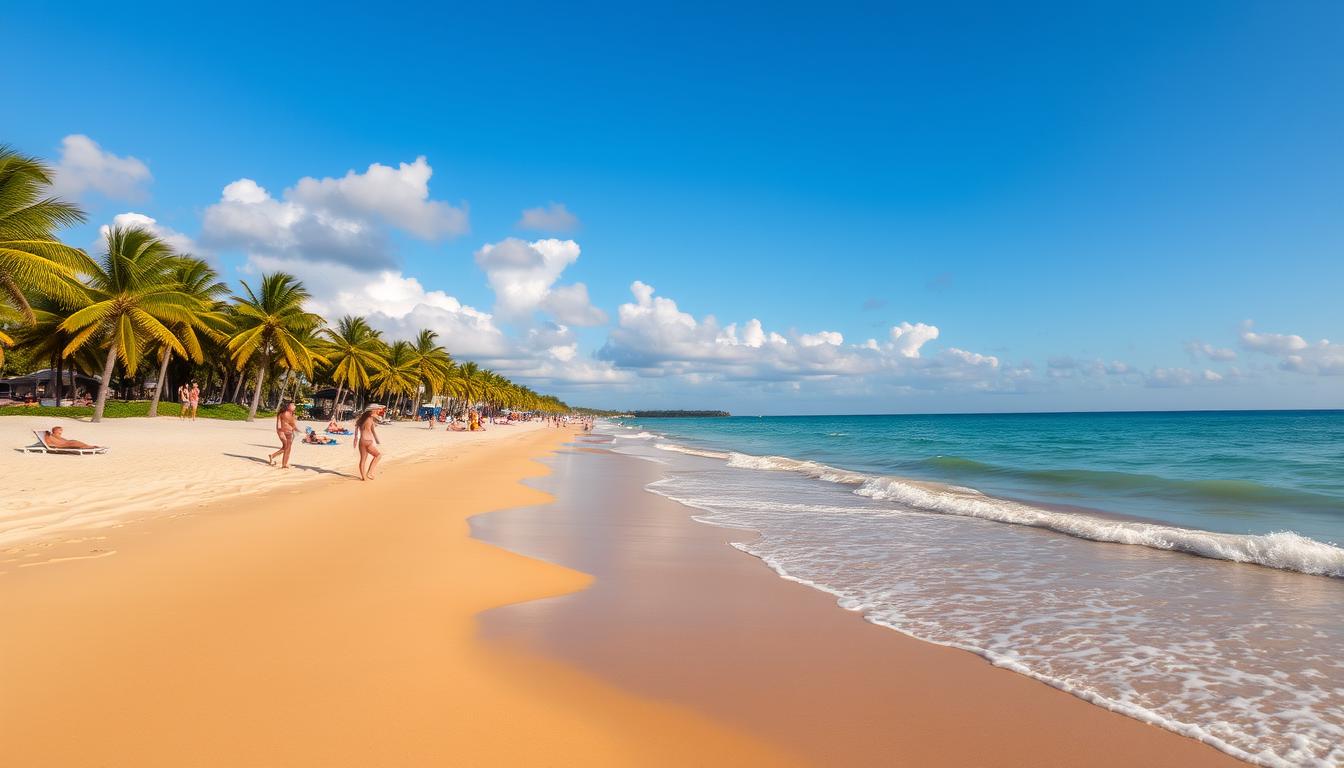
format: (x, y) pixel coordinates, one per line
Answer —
(42, 447)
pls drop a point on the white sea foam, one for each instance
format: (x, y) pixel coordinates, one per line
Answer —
(1171, 642)
(1284, 550)
(639, 436)
(1013, 662)
(811, 469)
(673, 447)
(1246, 660)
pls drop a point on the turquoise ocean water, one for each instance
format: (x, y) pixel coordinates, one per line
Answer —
(1181, 568)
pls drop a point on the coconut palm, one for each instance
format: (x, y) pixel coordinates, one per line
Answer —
(44, 339)
(313, 340)
(130, 298)
(497, 391)
(468, 383)
(355, 350)
(433, 365)
(32, 260)
(397, 374)
(269, 324)
(198, 280)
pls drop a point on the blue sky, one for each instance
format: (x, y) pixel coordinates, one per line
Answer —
(1088, 204)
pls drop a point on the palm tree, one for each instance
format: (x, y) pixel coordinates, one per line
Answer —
(269, 325)
(469, 383)
(312, 340)
(129, 298)
(497, 391)
(32, 260)
(397, 375)
(199, 281)
(44, 340)
(432, 364)
(354, 349)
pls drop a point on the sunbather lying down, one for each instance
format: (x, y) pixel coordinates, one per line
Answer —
(54, 439)
(312, 438)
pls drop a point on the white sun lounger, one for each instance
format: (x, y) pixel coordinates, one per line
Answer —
(42, 447)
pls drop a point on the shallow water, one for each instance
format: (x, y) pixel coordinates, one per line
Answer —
(1242, 656)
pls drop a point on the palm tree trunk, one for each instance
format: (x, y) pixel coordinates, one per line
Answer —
(284, 387)
(56, 381)
(256, 393)
(415, 407)
(336, 407)
(238, 387)
(158, 389)
(106, 383)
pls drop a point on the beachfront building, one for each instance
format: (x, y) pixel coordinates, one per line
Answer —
(40, 387)
(324, 400)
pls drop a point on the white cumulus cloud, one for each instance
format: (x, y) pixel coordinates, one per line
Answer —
(523, 276)
(85, 166)
(342, 221)
(908, 338)
(400, 196)
(1197, 349)
(654, 337)
(1296, 354)
(397, 304)
(553, 217)
(179, 242)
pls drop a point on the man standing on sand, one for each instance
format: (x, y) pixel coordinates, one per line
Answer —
(182, 396)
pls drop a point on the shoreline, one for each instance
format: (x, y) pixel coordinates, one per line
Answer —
(328, 623)
(773, 656)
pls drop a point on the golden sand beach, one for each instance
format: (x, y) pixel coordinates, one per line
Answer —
(328, 623)
(320, 621)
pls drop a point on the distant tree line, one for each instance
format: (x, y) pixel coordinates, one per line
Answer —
(680, 414)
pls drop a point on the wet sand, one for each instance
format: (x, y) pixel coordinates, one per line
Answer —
(677, 614)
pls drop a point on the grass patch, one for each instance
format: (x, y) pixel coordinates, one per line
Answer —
(121, 409)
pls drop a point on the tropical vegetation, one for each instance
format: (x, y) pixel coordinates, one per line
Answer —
(137, 317)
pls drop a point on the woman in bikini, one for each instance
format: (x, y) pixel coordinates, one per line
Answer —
(285, 424)
(194, 396)
(366, 440)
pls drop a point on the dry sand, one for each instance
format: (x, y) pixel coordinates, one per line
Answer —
(167, 466)
(326, 624)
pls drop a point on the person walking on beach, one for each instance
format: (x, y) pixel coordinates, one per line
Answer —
(194, 398)
(183, 395)
(366, 440)
(285, 424)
